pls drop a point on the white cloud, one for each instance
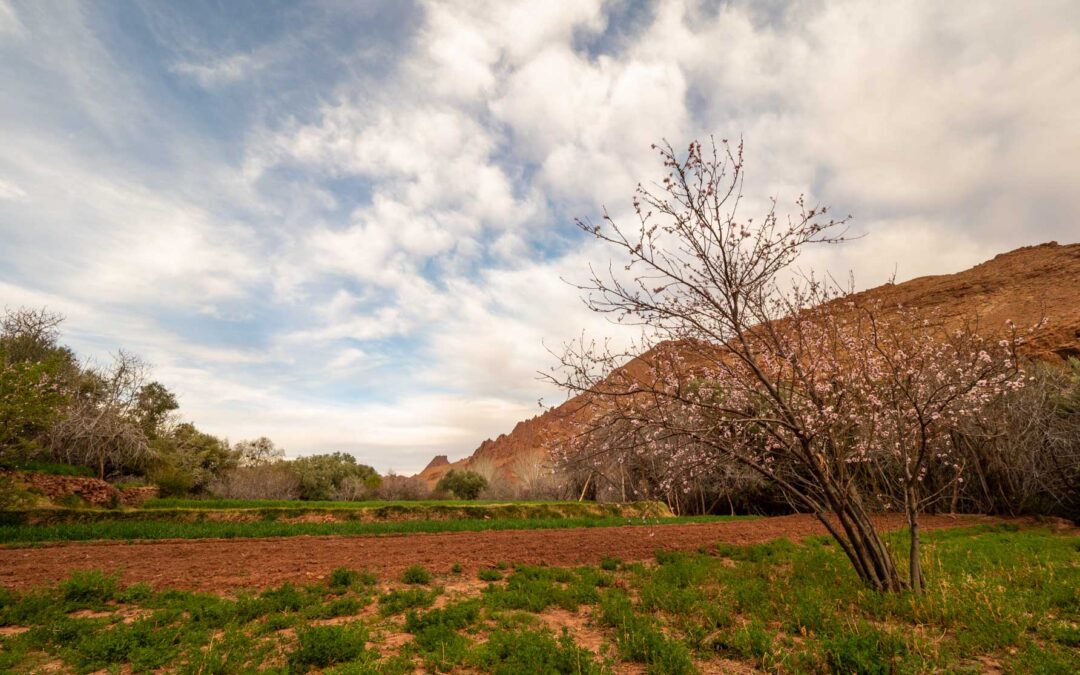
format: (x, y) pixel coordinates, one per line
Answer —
(221, 71)
(11, 192)
(9, 20)
(405, 234)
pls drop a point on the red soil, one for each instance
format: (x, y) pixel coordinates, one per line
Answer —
(225, 565)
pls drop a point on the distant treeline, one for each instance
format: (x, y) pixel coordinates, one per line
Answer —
(114, 421)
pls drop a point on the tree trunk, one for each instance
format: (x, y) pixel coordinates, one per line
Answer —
(863, 546)
(914, 561)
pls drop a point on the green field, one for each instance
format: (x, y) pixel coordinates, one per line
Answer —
(216, 504)
(13, 534)
(998, 598)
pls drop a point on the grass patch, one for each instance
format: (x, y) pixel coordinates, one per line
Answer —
(529, 651)
(534, 589)
(396, 602)
(20, 533)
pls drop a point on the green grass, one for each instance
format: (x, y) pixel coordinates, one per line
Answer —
(154, 529)
(996, 595)
(54, 468)
(218, 504)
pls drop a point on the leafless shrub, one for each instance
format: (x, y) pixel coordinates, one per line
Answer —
(356, 489)
(1024, 458)
(264, 481)
(537, 477)
(99, 427)
(401, 488)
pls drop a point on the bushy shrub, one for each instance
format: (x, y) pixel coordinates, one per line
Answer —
(322, 475)
(462, 484)
(173, 481)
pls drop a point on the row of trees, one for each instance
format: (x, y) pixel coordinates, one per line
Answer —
(116, 420)
(122, 424)
(751, 377)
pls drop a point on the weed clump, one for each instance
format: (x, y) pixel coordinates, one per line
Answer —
(396, 602)
(610, 563)
(416, 574)
(489, 575)
(88, 589)
(342, 579)
(322, 646)
(526, 651)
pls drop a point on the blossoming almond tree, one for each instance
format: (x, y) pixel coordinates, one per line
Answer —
(916, 380)
(742, 360)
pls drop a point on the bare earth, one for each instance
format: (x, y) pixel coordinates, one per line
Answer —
(224, 565)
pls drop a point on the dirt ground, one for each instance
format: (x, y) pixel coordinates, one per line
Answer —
(224, 565)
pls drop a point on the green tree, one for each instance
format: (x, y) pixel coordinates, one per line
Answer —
(189, 459)
(462, 484)
(152, 407)
(35, 376)
(258, 452)
(30, 400)
(322, 475)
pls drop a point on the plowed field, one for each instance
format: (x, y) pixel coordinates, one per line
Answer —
(223, 565)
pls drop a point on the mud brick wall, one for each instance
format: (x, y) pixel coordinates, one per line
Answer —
(92, 490)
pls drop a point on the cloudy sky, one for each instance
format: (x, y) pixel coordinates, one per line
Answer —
(343, 224)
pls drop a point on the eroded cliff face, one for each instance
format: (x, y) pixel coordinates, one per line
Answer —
(1022, 285)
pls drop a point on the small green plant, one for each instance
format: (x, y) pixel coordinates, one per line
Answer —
(322, 646)
(456, 569)
(91, 588)
(441, 647)
(396, 602)
(342, 579)
(610, 564)
(416, 574)
(489, 575)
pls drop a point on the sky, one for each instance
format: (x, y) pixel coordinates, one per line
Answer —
(348, 226)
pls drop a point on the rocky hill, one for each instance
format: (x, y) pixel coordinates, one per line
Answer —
(1022, 285)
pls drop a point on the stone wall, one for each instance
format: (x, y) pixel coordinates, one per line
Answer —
(93, 491)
